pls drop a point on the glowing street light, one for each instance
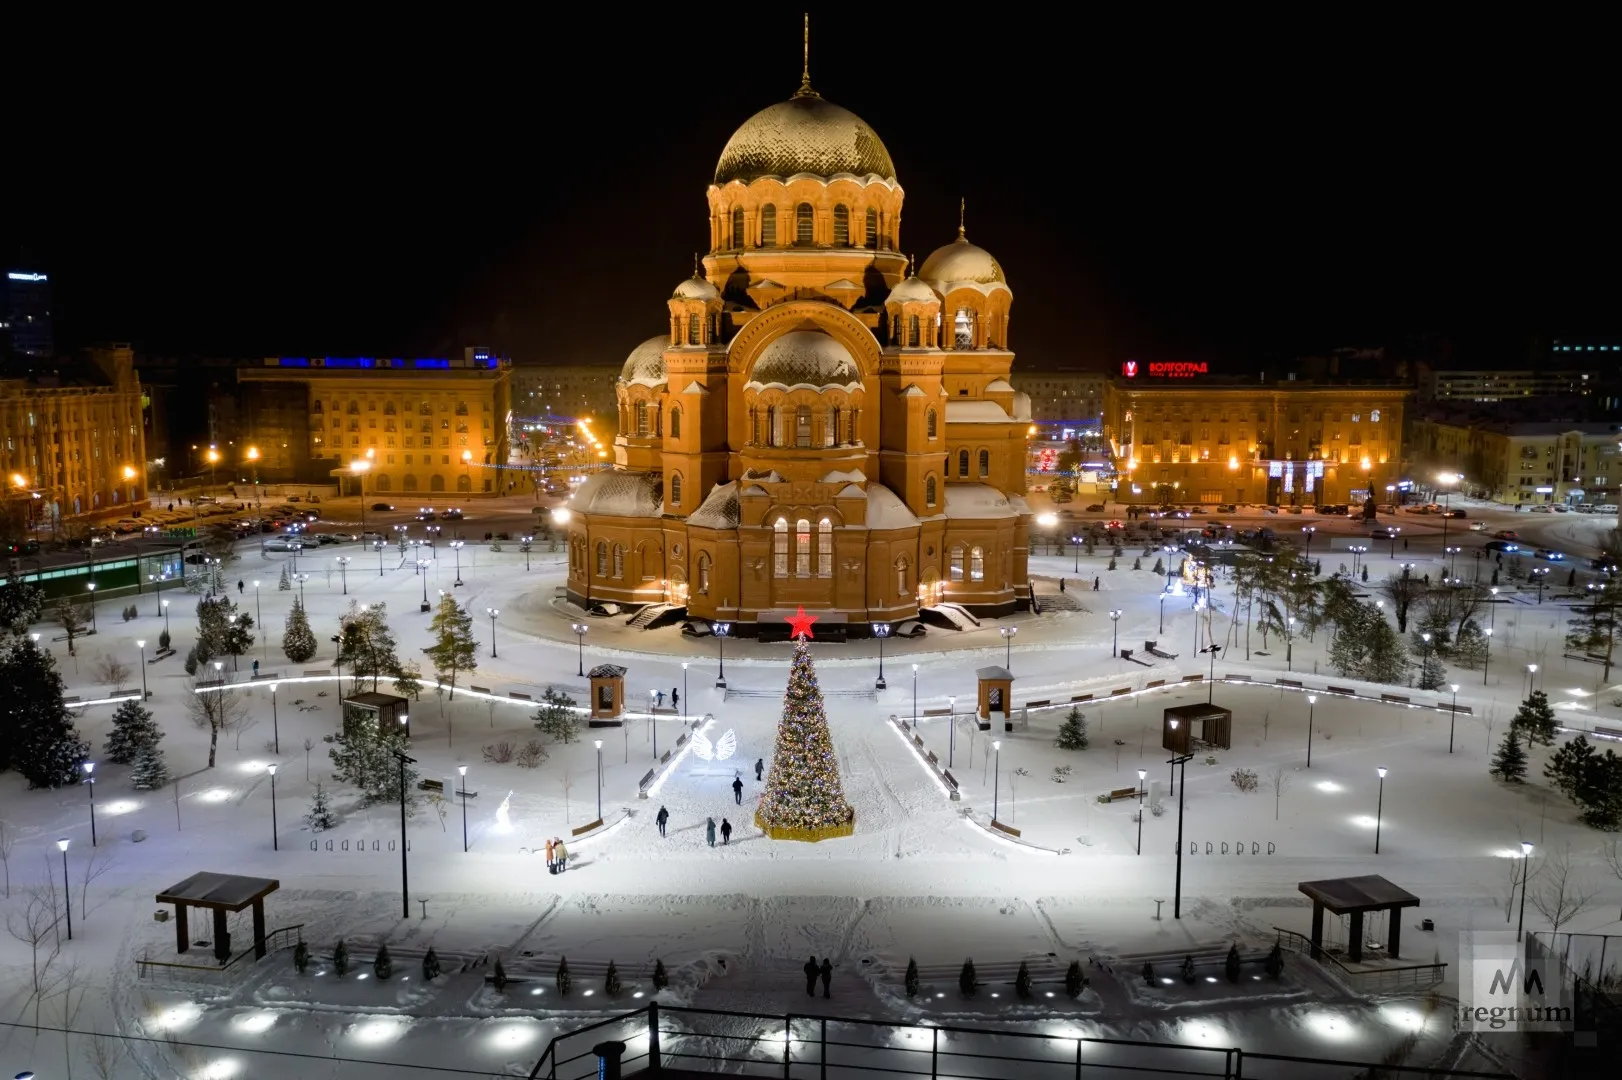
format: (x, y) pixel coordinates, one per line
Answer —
(1526, 867)
(580, 646)
(1379, 808)
(275, 836)
(90, 785)
(492, 612)
(67, 887)
(461, 771)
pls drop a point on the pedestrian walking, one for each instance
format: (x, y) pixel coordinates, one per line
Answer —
(675, 698)
(827, 973)
(562, 854)
(659, 700)
(1061, 586)
(240, 587)
(760, 764)
(811, 971)
(737, 790)
(726, 831)
(662, 819)
(256, 669)
(551, 859)
(1096, 582)
(709, 831)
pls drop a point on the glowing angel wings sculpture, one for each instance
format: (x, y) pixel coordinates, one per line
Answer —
(720, 750)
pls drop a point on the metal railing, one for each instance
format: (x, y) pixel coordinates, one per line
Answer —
(1371, 980)
(804, 1047)
(274, 942)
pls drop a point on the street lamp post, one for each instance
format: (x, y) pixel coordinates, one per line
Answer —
(1143, 775)
(1540, 573)
(1453, 716)
(528, 541)
(456, 546)
(1115, 632)
(145, 694)
(1172, 772)
(580, 647)
(1210, 675)
(259, 615)
(1379, 809)
(1520, 925)
(405, 880)
(1308, 531)
(1008, 633)
(1289, 644)
(1312, 707)
(599, 744)
(422, 566)
(492, 612)
(1486, 658)
(343, 572)
(67, 887)
(996, 776)
(722, 629)
(91, 586)
(275, 723)
(275, 838)
(1075, 546)
(1162, 612)
(915, 695)
(951, 730)
(1424, 653)
(378, 545)
(90, 785)
(1181, 761)
(881, 630)
(166, 615)
(461, 771)
(1531, 672)
(1391, 532)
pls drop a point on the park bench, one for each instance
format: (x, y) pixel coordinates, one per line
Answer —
(1152, 648)
(1120, 793)
(437, 786)
(1000, 827)
(1607, 732)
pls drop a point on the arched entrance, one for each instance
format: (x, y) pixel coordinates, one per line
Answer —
(384, 483)
(436, 483)
(409, 483)
(464, 483)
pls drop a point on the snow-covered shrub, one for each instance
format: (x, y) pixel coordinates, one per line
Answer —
(1244, 780)
(966, 980)
(911, 981)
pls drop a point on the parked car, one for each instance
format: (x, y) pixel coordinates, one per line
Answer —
(382, 507)
(1455, 513)
(1096, 508)
(1506, 534)
(1227, 508)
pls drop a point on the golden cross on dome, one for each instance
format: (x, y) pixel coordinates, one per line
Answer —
(962, 207)
(805, 59)
(695, 265)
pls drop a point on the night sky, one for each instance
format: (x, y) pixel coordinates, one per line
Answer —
(1221, 192)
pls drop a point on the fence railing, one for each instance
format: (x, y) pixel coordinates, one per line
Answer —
(805, 1047)
(275, 941)
(1370, 980)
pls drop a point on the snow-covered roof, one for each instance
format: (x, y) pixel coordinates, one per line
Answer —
(753, 490)
(986, 673)
(696, 288)
(646, 364)
(805, 358)
(770, 476)
(805, 134)
(912, 391)
(620, 494)
(977, 501)
(912, 289)
(961, 264)
(695, 387)
(719, 510)
(1022, 407)
(850, 491)
(843, 285)
(999, 386)
(885, 510)
(841, 476)
(1018, 504)
(975, 412)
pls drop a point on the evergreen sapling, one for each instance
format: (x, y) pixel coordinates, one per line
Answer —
(1073, 732)
(564, 979)
(301, 957)
(383, 966)
(1022, 981)
(912, 977)
(1188, 968)
(150, 772)
(1230, 966)
(661, 978)
(133, 731)
(1074, 981)
(611, 981)
(1275, 961)
(966, 980)
(340, 959)
(1509, 763)
(498, 977)
(320, 816)
(1535, 719)
(430, 965)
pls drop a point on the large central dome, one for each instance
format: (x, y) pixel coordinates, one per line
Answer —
(804, 134)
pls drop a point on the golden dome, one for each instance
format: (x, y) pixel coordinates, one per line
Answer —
(804, 134)
(960, 263)
(646, 364)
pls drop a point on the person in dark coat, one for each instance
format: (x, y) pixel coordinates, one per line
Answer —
(241, 587)
(726, 831)
(811, 971)
(709, 831)
(827, 973)
(737, 790)
(662, 819)
(675, 698)
(760, 765)
(1096, 581)
(1061, 586)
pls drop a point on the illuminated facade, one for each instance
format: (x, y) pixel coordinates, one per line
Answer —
(813, 424)
(75, 449)
(1524, 462)
(405, 426)
(564, 390)
(1189, 440)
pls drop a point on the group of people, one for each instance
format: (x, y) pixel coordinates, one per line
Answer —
(813, 971)
(662, 818)
(557, 856)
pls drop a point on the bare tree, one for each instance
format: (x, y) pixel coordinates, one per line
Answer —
(110, 669)
(1518, 871)
(104, 1054)
(1613, 856)
(1560, 898)
(217, 709)
(73, 616)
(99, 863)
(69, 988)
(1279, 781)
(34, 924)
(8, 837)
(247, 724)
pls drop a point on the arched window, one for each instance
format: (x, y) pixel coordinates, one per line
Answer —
(873, 229)
(754, 426)
(780, 548)
(929, 491)
(985, 463)
(695, 330)
(977, 564)
(825, 548)
(930, 423)
(703, 575)
(955, 563)
(802, 548)
(802, 426)
(768, 226)
(855, 415)
(803, 224)
(602, 558)
(642, 418)
(675, 489)
(737, 228)
(619, 560)
(841, 226)
(830, 427)
(963, 463)
(963, 329)
(901, 576)
(675, 422)
(914, 333)
(771, 425)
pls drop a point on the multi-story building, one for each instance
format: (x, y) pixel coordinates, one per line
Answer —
(71, 443)
(569, 391)
(1529, 461)
(25, 315)
(1063, 400)
(812, 425)
(1493, 386)
(1178, 438)
(427, 425)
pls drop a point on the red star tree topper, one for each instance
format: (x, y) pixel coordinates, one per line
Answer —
(801, 622)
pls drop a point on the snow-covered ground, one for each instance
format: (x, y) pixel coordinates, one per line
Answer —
(922, 877)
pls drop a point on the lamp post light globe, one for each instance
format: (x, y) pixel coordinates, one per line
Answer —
(492, 612)
(67, 888)
(1143, 776)
(1526, 867)
(1115, 632)
(1379, 808)
(461, 771)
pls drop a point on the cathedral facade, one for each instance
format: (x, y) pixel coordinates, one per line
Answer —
(817, 424)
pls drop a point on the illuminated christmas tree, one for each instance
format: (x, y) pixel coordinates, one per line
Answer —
(803, 798)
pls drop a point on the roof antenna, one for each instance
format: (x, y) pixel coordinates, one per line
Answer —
(962, 206)
(805, 61)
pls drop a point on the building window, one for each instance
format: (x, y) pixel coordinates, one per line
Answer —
(737, 228)
(642, 418)
(929, 491)
(929, 424)
(825, 548)
(780, 548)
(977, 564)
(914, 332)
(602, 548)
(803, 224)
(619, 560)
(873, 229)
(754, 426)
(963, 329)
(802, 426)
(955, 564)
(703, 575)
(695, 332)
(841, 226)
(901, 576)
(768, 226)
(802, 548)
(963, 463)
(830, 427)
(675, 489)
(985, 463)
(771, 425)
(675, 423)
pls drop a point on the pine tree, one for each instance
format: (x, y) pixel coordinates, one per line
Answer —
(383, 966)
(43, 743)
(1535, 719)
(1275, 961)
(430, 965)
(1567, 765)
(803, 790)
(1432, 673)
(363, 755)
(298, 642)
(911, 980)
(1022, 980)
(164, 639)
(134, 730)
(1074, 981)
(1188, 968)
(1160, 566)
(320, 816)
(285, 584)
(213, 627)
(1137, 563)
(1230, 966)
(498, 977)
(966, 981)
(1073, 732)
(1509, 764)
(454, 651)
(1148, 973)
(150, 772)
(563, 978)
(556, 717)
(301, 957)
(1470, 646)
(366, 646)
(611, 981)
(340, 959)
(661, 978)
